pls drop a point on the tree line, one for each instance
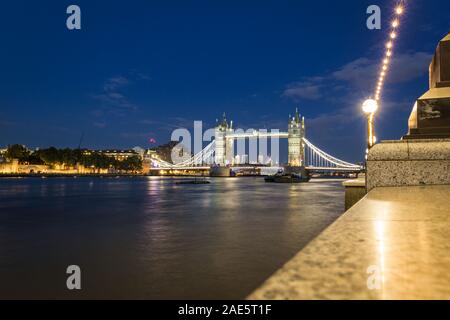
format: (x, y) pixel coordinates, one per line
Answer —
(71, 157)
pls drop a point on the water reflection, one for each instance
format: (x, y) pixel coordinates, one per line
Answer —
(151, 238)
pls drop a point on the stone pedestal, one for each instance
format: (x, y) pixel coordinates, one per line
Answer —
(423, 156)
(355, 190)
(409, 163)
(430, 118)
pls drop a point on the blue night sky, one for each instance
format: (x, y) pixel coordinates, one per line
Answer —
(139, 69)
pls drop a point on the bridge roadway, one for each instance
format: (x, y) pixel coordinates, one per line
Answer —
(258, 134)
(317, 159)
(316, 169)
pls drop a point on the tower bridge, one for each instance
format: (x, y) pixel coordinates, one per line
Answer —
(220, 152)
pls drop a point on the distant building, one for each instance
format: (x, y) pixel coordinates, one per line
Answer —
(241, 159)
(150, 153)
(140, 151)
(2, 155)
(119, 155)
(169, 152)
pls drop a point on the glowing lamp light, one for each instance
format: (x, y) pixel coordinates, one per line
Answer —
(388, 53)
(399, 10)
(395, 23)
(393, 35)
(370, 106)
(389, 45)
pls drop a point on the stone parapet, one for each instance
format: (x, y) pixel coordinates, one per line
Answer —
(393, 244)
(409, 163)
(355, 190)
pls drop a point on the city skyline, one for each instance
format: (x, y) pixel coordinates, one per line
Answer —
(137, 72)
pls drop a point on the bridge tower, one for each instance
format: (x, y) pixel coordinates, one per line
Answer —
(296, 148)
(224, 147)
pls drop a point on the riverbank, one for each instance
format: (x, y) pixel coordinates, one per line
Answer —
(69, 175)
(117, 175)
(393, 244)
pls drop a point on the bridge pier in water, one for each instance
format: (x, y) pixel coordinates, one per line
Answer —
(224, 146)
(296, 147)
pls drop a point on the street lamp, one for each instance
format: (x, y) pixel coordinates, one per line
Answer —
(369, 107)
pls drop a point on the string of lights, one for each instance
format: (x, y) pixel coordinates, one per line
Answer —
(387, 59)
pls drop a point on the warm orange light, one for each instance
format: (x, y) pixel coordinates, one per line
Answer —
(370, 106)
(389, 51)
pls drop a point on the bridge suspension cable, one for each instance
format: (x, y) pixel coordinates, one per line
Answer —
(320, 159)
(315, 158)
(206, 156)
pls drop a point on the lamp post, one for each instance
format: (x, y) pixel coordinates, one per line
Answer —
(369, 107)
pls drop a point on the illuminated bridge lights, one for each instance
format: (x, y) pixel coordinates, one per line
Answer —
(315, 158)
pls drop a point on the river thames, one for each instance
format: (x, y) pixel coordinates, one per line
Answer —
(149, 238)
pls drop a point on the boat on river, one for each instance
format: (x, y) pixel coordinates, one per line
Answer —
(287, 178)
(193, 182)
